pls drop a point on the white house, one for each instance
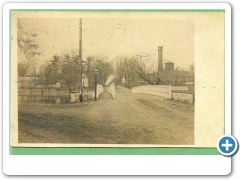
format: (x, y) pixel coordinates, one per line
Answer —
(58, 85)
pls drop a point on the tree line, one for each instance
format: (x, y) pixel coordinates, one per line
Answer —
(137, 72)
(66, 69)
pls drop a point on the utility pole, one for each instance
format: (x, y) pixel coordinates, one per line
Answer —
(140, 63)
(141, 56)
(80, 56)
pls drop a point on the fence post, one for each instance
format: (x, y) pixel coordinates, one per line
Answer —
(170, 92)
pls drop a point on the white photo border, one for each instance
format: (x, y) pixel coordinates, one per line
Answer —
(136, 165)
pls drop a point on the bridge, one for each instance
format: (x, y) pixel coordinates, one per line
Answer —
(106, 91)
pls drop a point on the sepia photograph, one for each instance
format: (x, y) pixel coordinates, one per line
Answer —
(114, 78)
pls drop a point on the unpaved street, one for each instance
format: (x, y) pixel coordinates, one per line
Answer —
(127, 119)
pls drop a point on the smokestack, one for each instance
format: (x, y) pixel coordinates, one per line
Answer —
(160, 63)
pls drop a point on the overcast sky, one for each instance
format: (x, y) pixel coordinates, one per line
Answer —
(116, 37)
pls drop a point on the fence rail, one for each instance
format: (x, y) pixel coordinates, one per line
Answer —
(183, 96)
(158, 90)
(179, 93)
(44, 99)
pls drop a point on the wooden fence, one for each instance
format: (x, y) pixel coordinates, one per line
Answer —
(179, 93)
(44, 99)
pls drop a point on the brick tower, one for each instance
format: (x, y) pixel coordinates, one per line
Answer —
(160, 63)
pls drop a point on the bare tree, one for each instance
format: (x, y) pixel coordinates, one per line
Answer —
(27, 42)
(127, 68)
(105, 69)
(70, 72)
(22, 69)
(134, 71)
(147, 74)
(27, 68)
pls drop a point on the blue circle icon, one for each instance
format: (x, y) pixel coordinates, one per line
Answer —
(227, 145)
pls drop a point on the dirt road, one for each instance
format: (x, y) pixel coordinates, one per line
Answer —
(127, 119)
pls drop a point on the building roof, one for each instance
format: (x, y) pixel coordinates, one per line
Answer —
(174, 73)
(179, 73)
(169, 62)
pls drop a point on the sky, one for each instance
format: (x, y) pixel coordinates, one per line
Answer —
(114, 37)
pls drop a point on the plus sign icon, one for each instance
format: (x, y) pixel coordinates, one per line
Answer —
(227, 145)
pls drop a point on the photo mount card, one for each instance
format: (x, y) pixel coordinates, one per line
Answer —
(142, 106)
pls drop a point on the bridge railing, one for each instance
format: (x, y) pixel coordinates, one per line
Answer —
(158, 90)
(170, 92)
(99, 90)
(112, 90)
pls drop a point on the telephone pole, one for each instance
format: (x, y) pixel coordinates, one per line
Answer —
(141, 56)
(80, 56)
(140, 63)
